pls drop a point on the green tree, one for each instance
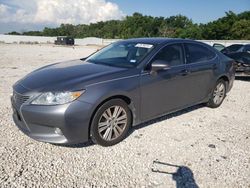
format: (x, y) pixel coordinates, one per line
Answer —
(14, 33)
(221, 28)
(66, 30)
(191, 32)
(241, 30)
(231, 26)
(166, 31)
(178, 21)
(51, 32)
(33, 33)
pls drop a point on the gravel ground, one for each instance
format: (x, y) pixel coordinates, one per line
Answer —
(208, 147)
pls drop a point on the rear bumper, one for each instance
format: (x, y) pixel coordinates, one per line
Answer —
(231, 77)
(231, 82)
(61, 124)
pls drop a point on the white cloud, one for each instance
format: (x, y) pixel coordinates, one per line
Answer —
(4, 10)
(59, 11)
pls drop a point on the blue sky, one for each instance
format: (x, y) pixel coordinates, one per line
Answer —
(24, 15)
(201, 11)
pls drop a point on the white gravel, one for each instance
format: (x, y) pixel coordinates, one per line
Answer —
(213, 145)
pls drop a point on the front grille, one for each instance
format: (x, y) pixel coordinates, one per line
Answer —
(19, 99)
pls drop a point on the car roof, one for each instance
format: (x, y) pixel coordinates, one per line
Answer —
(155, 40)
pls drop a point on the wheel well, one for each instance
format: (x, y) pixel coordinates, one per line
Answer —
(122, 97)
(125, 98)
(225, 78)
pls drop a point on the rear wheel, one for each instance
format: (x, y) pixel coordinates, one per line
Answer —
(111, 123)
(218, 95)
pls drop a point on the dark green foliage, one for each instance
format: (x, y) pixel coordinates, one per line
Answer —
(33, 33)
(14, 33)
(231, 26)
(241, 29)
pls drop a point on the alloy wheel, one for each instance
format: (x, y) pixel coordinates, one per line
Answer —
(112, 123)
(219, 93)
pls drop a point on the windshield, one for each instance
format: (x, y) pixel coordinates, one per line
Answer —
(121, 54)
(232, 48)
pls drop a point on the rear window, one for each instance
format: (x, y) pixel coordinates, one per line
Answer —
(197, 53)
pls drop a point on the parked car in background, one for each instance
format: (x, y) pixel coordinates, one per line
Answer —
(122, 85)
(241, 54)
(65, 41)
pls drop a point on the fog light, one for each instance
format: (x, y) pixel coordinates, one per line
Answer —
(58, 131)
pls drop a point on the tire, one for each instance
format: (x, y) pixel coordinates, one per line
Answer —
(218, 94)
(111, 123)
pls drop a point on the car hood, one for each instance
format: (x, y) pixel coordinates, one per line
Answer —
(70, 75)
(240, 57)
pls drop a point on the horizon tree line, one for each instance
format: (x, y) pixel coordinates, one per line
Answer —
(230, 27)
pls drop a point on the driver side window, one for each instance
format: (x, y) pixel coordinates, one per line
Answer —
(171, 54)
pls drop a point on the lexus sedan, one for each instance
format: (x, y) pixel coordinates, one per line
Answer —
(124, 84)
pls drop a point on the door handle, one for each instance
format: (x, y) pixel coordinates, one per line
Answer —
(184, 72)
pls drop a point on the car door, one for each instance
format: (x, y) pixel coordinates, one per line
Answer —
(201, 65)
(163, 91)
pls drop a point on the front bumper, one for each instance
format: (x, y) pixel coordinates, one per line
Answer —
(60, 124)
(242, 70)
(242, 73)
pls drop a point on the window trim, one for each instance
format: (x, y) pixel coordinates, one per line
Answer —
(198, 62)
(165, 45)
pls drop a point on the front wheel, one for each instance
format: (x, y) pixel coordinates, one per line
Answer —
(111, 123)
(218, 95)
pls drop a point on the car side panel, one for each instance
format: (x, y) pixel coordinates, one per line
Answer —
(201, 79)
(127, 86)
(164, 92)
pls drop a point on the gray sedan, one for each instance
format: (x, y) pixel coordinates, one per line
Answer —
(124, 84)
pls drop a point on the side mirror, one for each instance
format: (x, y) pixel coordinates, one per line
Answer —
(83, 59)
(158, 65)
(219, 47)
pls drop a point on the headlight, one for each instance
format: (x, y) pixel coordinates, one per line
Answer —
(246, 65)
(56, 98)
